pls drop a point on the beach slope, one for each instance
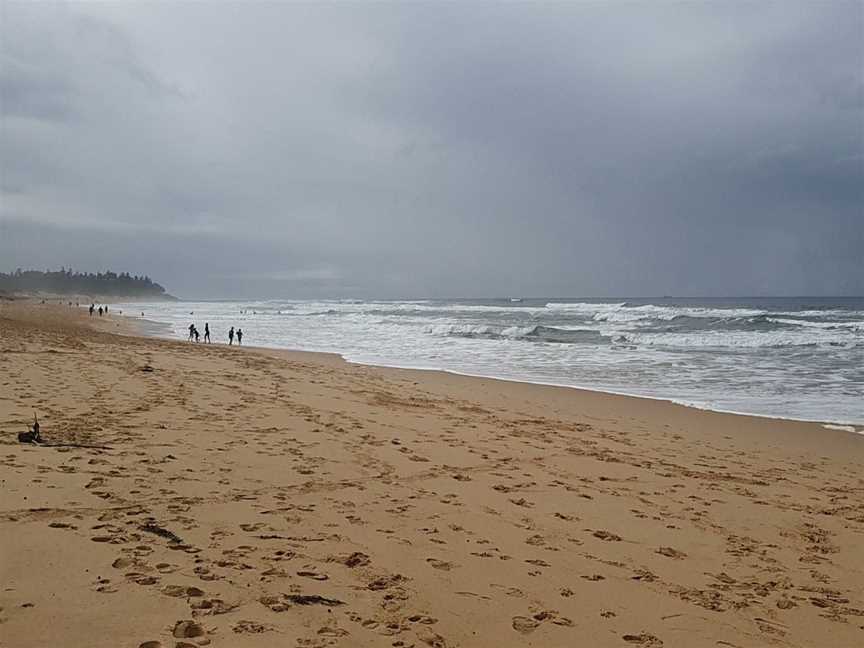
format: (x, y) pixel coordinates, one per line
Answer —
(207, 495)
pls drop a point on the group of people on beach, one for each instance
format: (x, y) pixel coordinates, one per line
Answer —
(195, 336)
(100, 310)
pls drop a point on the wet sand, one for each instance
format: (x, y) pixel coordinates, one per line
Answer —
(208, 495)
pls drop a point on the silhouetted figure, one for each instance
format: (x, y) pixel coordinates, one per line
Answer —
(231, 336)
(92, 308)
(207, 332)
(100, 311)
(239, 336)
(197, 335)
(191, 331)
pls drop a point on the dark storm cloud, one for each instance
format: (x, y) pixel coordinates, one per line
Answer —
(422, 150)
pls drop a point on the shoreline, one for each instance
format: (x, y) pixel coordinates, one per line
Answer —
(857, 428)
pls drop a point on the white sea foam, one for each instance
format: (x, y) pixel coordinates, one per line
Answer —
(842, 428)
(831, 325)
(741, 339)
(667, 313)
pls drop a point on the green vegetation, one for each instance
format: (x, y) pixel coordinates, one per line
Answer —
(67, 282)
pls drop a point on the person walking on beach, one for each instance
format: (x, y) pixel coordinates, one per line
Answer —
(239, 336)
(191, 331)
(197, 335)
(92, 308)
(231, 336)
(207, 332)
(100, 311)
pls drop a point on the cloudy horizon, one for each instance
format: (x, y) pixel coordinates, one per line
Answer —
(432, 150)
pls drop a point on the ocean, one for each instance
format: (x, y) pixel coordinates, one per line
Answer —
(800, 358)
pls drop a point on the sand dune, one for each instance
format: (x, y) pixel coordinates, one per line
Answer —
(213, 496)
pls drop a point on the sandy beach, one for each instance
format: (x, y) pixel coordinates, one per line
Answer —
(208, 495)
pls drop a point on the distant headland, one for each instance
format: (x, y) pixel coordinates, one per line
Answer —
(67, 282)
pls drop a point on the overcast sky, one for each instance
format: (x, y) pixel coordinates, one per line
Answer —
(432, 149)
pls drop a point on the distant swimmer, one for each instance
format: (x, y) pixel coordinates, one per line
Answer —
(207, 332)
(231, 336)
(239, 336)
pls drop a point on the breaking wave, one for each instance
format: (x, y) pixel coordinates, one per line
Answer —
(535, 333)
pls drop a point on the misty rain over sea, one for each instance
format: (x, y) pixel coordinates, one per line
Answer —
(784, 357)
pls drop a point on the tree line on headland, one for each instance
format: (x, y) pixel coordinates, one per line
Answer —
(67, 282)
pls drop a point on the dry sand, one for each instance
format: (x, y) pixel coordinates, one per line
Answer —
(260, 498)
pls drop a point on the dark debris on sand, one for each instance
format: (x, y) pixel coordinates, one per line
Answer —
(160, 531)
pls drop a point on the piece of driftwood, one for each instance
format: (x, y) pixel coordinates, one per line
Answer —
(31, 436)
(313, 599)
(160, 531)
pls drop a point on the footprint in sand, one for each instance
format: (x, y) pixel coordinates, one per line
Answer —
(669, 552)
(313, 575)
(440, 564)
(103, 586)
(356, 559)
(385, 582)
(250, 627)
(525, 625)
(538, 562)
(142, 579)
(643, 639)
(122, 563)
(178, 591)
(166, 568)
(205, 574)
(188, 630)
(432, 639)
(253, 527)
